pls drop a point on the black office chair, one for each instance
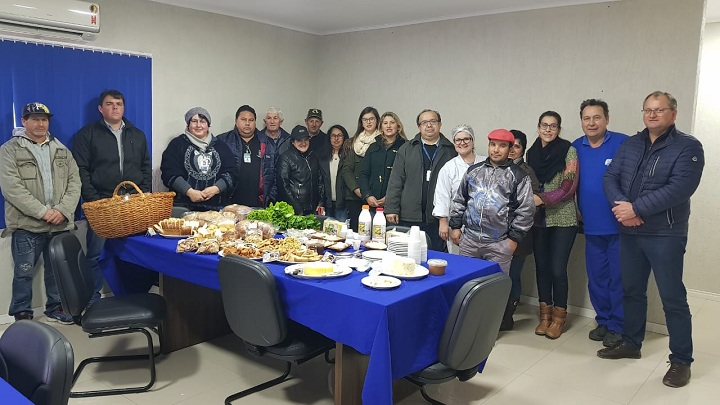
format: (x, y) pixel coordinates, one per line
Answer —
(37, 361)
(136, 313)
(406, 229)
(469, 334)
(179, 212)
(255, 313)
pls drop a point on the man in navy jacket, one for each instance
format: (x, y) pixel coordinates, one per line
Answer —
(650, 182)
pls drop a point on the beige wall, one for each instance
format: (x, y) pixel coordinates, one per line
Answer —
(504, 70)
(703, 255)
(490, 71)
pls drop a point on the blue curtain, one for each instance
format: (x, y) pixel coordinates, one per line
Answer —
(69, 80)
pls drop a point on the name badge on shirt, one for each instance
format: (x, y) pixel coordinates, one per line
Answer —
(427, 175)
(246, 157)
(607, 162)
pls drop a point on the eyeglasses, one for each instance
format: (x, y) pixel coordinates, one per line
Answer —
(545, 126)
(337, 136)
(430, 122)
(371, 119)
(656, 111)
(459, 141)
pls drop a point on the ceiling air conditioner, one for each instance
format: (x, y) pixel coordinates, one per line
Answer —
(64, 19)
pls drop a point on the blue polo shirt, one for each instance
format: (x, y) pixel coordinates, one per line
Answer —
(594, 206)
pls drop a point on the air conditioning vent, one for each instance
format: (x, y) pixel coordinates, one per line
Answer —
(50, 18)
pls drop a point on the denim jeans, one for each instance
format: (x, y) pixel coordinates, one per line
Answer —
(664, 255)
(95, 245)
(516, 267)
(602, 260)
(551, 247)
(26, 250)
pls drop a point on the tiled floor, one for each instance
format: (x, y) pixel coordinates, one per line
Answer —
(523, 369)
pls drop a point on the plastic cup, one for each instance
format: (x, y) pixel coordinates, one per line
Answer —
(437, 266)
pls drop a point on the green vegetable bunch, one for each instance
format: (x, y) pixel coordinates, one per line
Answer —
(282, 215)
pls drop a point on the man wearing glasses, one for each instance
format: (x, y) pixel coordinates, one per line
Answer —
(409, 199)
(650, 182)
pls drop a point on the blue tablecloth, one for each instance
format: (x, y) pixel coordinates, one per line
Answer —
(10, 396)
(399, 329)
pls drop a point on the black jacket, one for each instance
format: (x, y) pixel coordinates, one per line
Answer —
(95, 150)
(324, 158)
(376, 166)
(672, 174)
(299, 181)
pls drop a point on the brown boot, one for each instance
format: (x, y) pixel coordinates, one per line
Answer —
(558, 321)
(545, 318)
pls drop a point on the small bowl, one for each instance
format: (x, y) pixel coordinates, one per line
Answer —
(437, 266)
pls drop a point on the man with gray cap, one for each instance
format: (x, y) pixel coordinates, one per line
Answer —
(108, 152)
(313, 122)
(449, 179)
(40, 182)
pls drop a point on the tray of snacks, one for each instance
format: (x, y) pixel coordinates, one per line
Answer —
(246, 250)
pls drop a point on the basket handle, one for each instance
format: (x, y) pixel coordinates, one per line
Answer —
(127, 183)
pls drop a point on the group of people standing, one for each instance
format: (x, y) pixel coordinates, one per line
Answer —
(629, 195)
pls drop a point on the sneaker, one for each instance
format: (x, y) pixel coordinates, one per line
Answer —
(60, 317)
(677, 376)
(24, 315)
(611, 338)
(620, 350)
(598, 334)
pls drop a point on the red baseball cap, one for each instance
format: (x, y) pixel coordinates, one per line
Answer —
(501, 135)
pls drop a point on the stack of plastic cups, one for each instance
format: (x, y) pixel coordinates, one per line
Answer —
(423, 246)
(414, 250)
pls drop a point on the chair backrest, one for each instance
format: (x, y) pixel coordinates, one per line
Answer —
(74, 279)
(473, 322)
(39, 362)
(178, 212)
(251, 301)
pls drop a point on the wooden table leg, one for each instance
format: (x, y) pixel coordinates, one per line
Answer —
(195, 314)
(350, 370)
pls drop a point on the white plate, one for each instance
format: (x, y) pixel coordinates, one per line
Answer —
(381, 282)
(376, 254)
(420, 272)
(353, 263)
(339, 271)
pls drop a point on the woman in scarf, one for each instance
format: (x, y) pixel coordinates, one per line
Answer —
(356, 147)
(197, 166)
(555, 164)
(378, 161)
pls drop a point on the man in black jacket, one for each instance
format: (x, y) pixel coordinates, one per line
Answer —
(109, 152)
(649, 182)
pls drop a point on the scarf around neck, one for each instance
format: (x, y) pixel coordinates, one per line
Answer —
(202, 145)
(363, 142)
(549, 160)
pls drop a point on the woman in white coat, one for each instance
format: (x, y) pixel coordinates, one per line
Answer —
(449, 178)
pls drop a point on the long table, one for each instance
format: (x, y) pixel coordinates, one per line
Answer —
(10, 396)
(398, 329)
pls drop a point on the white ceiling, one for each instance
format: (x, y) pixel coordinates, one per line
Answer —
(324, 17)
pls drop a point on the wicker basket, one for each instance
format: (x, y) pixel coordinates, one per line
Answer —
(124, 215)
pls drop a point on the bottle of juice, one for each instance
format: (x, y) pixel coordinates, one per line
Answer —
(364, 223)
(379, 226)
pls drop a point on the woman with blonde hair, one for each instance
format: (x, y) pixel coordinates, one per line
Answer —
(377, 164)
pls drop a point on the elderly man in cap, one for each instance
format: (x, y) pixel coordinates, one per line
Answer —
(198, 167)
(313, 122)
(494, 206)
(41, 185)
(108, 152)
(299, 178)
